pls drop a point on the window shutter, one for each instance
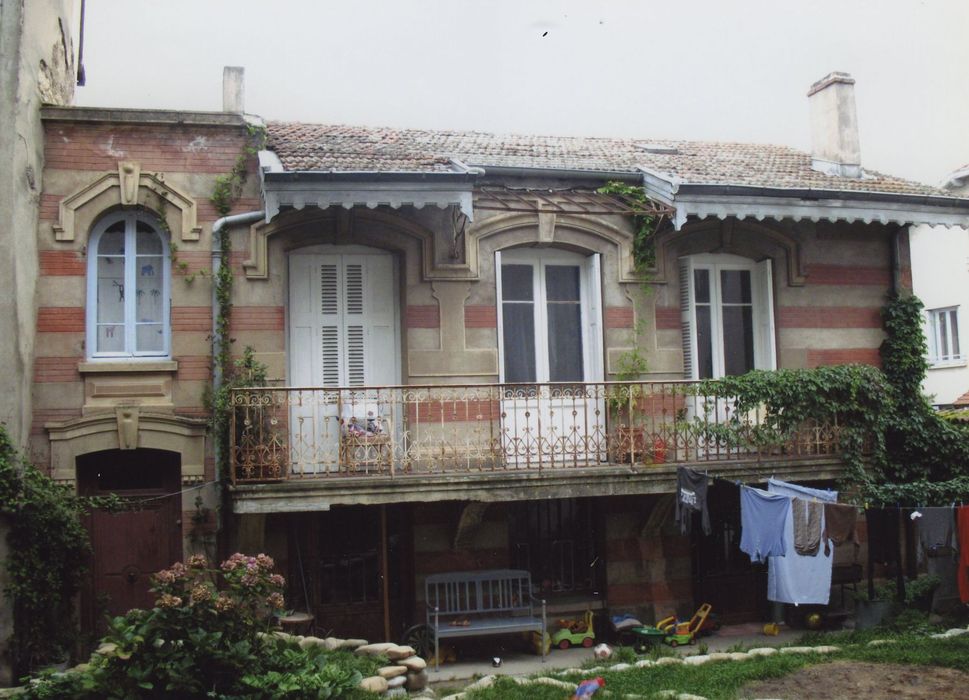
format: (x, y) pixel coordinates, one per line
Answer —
(594, 324)
(355, 333)
(765, 352)
(498, 297)
(686, 319)
(329, 372)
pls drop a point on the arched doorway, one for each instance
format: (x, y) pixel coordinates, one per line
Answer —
(130, 545)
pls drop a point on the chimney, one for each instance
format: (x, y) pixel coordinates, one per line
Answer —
(834, 126)
(233, 89)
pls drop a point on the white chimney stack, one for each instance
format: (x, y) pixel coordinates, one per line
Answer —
(233, 89)
(834, 126)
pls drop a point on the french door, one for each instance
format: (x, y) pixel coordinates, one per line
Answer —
(343, 332)
(550, 345)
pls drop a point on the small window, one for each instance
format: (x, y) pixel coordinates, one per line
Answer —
(943, 336)
(128, 288)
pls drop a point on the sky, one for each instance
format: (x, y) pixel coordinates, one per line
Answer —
(682, 69)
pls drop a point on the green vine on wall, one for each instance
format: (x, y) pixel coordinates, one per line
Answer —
(644, 226)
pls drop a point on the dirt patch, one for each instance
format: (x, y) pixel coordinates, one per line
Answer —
(849, 679)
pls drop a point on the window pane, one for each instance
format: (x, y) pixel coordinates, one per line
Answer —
(704, 343)
(112, 241)
(110, 338)
(516, 283)
(738, 339)
(561, 283)
(150, 337)
(701, 286)
(943, 336)
(518, 329)
(149, 242)
(149, 300)
(954, 332)
(110, 289)
(565, 343)
(735, 286)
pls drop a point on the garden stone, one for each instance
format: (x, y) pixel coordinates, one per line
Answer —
(417, 681)
(396, 653)
(696, 660)
(880, 642)
(645, 663)
(414, 663)
(389, 672)
(332, 643)
(307, 642)
(456, 696)
(762, 651)
(374, 684)
(738, 655)
(483, 682)
(396, 693)
(688, 696)
(374, 649)
(719, 656)
(396, 682)
(556, 683)
(669, 660)
(621, 667)
(826, 649)
(353, 643)
(797, 650)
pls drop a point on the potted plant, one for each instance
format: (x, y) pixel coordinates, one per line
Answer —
(871, 611)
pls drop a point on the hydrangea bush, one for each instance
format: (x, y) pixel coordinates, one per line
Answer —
(207, 637)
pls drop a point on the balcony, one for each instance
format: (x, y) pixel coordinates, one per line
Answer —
(443, 435)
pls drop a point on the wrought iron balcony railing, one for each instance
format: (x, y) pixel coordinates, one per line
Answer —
(301, 433)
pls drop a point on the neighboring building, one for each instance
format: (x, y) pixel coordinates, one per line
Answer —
(39, 63)
(940, 276)
(440, 313)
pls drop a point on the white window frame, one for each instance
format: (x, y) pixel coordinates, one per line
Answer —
(762, 308)
(131, 218)
(590, 305)
(939, 356)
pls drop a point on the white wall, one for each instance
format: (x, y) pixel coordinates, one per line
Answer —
(940, 276)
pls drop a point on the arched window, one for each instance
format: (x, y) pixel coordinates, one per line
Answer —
(128, 291)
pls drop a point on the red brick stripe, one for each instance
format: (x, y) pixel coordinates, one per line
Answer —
(828, 317)
(49, 209)
(194, 367)
(51, 415)
(62, 263)
(56, 369)
(848, 275)
(428, 316)
(480, 316)
(865, 356)
(668, 318)
(192, 318)
(619, 317)
(258, 318)
(191, 262)
(60, 319)
(156, 147)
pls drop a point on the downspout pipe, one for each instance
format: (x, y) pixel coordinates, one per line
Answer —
(249, 217)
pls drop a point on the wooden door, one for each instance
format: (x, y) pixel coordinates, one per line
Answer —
(131, 545)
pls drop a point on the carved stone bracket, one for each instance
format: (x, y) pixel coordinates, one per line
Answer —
(128, 187)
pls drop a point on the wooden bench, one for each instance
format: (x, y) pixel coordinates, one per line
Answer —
(478, 603)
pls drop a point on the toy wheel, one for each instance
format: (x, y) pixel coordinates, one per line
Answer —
(588, 642)
(564, 644)
(420, 638)
(692, 641)
(674, 643)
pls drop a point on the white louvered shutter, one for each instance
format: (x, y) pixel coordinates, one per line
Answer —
(686, 318)
(763, 293)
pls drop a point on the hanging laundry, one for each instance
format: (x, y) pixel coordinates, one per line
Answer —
(762, 519)
(962, 520)
(883, 534)
(796, 578)
(691, 497)
(840, 526)
(936, 531)
(807, 517)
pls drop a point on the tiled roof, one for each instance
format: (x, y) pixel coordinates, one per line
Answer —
(318, 147)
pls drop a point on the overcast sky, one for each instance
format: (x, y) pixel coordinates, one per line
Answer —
(684, 69)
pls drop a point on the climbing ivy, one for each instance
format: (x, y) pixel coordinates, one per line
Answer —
(896, 448)
(644, 248)
(48, 550)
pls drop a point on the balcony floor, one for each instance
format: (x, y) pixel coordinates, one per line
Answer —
(318, 494)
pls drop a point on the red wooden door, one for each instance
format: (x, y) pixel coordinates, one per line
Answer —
(131, 545)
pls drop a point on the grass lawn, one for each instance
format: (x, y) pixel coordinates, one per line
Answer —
(724, 679)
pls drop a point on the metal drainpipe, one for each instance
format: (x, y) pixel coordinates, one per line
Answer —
(245, 218)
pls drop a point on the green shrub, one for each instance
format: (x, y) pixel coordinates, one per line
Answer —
(208, 636)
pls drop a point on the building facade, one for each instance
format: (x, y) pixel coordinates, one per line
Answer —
(471, 362)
